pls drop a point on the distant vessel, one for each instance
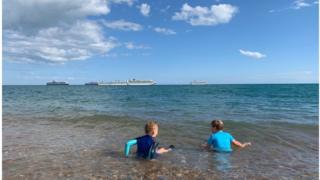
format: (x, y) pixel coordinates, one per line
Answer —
(131, 82)
(92, 83)
(57, 83)
(113, 83)
(198, 82)
(134, 82)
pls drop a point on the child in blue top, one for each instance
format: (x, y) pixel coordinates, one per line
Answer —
(221, 141)
(147, 146)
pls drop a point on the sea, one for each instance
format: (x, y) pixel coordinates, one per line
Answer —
(79, 132)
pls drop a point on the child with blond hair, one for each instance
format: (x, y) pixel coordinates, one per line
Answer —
(147, 147)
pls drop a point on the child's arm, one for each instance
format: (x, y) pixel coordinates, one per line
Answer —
(239, 144)
(205, 145)
(208, 143)
(163, 150)
(128, 146)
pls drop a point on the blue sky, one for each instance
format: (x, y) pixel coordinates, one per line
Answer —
(168, 41)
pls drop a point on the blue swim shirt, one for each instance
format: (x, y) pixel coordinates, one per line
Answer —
(221, 141)
(146, 147)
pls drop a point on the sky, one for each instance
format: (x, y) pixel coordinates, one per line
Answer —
(170, 42)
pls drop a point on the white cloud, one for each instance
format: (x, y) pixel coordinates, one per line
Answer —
(56, 44)
(131, 45)
(164, 31)
(123, 25)
(252, 54)
(144, 9)
(31, 15)
(298, 4)
(53, 31)
(204, 16)
(129, 2)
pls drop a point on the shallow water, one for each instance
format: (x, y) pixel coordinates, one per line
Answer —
(73, 138)
(86, 149)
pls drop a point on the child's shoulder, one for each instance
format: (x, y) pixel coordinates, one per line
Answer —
(227, 132)
(229, 135)
(223, 133)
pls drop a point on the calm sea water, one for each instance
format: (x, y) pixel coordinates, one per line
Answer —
(74, 132)
(250, 103)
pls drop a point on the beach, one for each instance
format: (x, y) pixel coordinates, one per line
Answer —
(79, 132)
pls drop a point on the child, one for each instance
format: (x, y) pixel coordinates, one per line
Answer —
(221, 141)
(147, 146)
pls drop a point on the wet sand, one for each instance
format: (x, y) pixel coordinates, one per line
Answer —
(93, 149)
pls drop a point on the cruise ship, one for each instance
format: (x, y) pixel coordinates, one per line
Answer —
(195, 82)
(113, 83)
(131, 82)
(57, 83)
(134, 82)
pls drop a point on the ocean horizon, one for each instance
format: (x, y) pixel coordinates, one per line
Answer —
(169, 84)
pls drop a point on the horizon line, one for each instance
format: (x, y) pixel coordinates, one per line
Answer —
(163, 84)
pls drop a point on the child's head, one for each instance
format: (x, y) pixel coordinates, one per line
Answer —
(151, 128)
(216, 125)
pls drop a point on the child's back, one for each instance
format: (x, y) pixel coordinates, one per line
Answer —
(221, 141)
(147, 146)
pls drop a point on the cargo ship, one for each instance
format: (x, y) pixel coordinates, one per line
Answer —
(57, 83)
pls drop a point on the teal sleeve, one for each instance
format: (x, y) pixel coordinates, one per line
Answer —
(128, 146)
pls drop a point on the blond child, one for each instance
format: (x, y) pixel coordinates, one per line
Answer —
(147, 147)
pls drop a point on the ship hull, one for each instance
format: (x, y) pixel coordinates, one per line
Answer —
(198, 84)
(111, 84)
(141, 84)
(124, 83)
(57, 84)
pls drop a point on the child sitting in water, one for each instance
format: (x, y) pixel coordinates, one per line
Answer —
(221, 141)
(147, 146)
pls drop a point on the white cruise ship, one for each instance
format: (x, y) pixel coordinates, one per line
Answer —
(113, 83)
(195, 82)
(131, 82)
(135, 82)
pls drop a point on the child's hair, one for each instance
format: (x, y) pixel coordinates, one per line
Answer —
(150, 126)
(218, 124)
